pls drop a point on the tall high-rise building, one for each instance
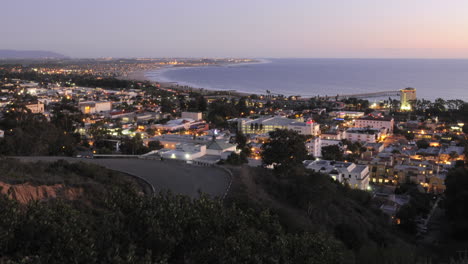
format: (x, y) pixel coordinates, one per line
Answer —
(406, 96)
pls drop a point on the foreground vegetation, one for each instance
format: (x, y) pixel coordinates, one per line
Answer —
(165, 229)
(310, 219)
(122, 226)
(310, 201)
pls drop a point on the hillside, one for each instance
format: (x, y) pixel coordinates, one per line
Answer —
(112, 223)
(43, 181)
(30, 54)
(310, 201)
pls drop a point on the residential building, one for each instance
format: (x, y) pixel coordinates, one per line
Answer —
(379, 122)
(374, 147)
(435, 183)
(334, 134)
(364, 135)
(381, 168)
(37, 108)
(356, 176)
(452, 153)
(331, 142)
(314, 146)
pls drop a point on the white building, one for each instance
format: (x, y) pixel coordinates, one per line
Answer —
(218, 147)
(268, 124)
(314, 146)
(357, 176)
(214, 146)
(206, 153)
(334, 134)
(92, 107)
(364, 135)
(171, 141)
(178, 124)
(331, 142)
(192, 115)
(379, 122)
(185, 152)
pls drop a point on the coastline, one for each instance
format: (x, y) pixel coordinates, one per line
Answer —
(167, 84)
(139, 75)
(142, 75)
(238, 87)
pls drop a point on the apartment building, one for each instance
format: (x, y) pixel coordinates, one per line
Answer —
(356, 176)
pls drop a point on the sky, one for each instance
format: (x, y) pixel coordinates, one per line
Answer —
(240, 28)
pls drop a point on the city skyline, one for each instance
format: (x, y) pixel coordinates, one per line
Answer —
(208, 28)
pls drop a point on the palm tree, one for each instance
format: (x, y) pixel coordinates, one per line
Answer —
(440, 103)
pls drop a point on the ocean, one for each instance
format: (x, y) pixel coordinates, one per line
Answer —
(432, 78)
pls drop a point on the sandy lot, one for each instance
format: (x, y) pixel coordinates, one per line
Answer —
(163, 175)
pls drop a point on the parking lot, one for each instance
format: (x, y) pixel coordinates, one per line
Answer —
(177, 177)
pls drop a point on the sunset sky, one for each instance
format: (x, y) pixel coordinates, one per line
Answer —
(241, 28)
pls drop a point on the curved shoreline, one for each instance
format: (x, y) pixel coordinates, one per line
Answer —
(220, 80)
(157, 76)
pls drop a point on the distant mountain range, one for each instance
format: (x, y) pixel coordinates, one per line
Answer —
(30, 54)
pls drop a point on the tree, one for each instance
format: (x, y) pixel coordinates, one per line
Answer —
(155, 145)
(132, 228)
(332, 152)
(409, 135)
(167, 106)
(439, 104)
(453, 155)
(202, 104)
(422, 144)
(241, 141)
(220, 111)
(151, 132)
(133, 145)
(456, 202)
(242, 107)
(32, 134)
(183, 105)
(407, 215)
(236, 159)
(285, 149)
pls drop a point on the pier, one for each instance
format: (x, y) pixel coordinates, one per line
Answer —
(363, 95)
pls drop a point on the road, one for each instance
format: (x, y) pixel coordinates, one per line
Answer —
(177, 177)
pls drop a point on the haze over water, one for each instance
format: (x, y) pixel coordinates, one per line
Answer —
(433, 78)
